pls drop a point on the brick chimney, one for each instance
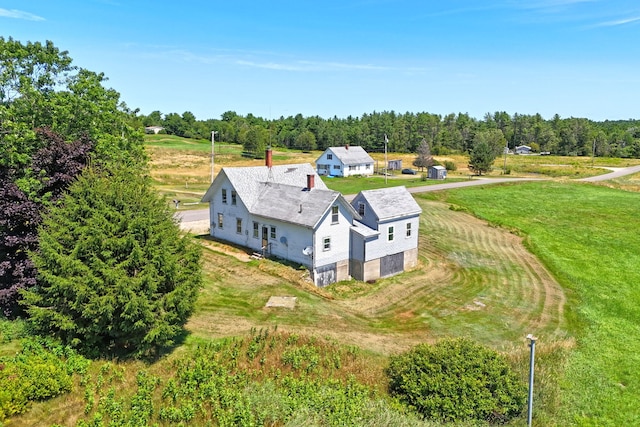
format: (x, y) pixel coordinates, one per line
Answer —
(310, 181)
(268, 160)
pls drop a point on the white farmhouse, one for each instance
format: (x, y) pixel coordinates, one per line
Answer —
(287, 211)
(344, 161)
(284, 211)
(384, 241)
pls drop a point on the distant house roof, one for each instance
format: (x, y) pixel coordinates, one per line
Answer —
(523, 148)
(392, 202)
(438, 167)
(351, 155)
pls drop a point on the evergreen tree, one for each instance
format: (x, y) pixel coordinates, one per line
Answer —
(114, 274)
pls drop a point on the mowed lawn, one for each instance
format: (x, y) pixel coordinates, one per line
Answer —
(588, 237)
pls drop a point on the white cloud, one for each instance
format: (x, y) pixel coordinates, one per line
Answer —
(619, 22)
(19, 14)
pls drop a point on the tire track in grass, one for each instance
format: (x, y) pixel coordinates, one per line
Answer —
(477, 278)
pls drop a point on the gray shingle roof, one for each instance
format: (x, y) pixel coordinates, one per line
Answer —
(354, 155)
(246, 180)
(392, 202)
(293, 204)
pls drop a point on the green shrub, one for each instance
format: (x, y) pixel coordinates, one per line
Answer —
(40, 371)
(450, 166)
(456, 380)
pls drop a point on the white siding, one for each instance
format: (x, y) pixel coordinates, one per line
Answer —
(339, 234)
(377, 248)
(335, 166)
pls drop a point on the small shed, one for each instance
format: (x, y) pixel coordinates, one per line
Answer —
(437, 172)
(395, 165)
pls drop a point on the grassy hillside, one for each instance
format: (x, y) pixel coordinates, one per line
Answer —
(588, 238)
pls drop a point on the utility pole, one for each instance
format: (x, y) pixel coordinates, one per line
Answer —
(532, 344)
(386, 164)
(213, 138)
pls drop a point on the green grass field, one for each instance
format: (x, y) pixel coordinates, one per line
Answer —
(558, 259)
(588, 237)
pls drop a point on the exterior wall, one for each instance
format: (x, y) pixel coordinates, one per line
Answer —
(359, 169)
(289, 242)
(371, 270)
(338, 234)
(369, 218)
(411, 259)
(380, 247)
(333, 166)
(230, 213)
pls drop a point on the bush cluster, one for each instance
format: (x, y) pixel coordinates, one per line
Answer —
(40, 371)
(456, 380)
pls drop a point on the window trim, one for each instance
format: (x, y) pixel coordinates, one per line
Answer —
(326, 243)
(335, 214)
(272, 232)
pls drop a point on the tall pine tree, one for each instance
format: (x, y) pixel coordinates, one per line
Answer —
(115, 276)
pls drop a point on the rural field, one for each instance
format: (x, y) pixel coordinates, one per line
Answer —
(557, 259)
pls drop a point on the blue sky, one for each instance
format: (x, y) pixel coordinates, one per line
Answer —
(576, 58)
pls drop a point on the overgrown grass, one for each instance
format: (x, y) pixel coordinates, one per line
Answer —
(587, 236)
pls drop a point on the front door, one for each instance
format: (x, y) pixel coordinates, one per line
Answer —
(265, 239)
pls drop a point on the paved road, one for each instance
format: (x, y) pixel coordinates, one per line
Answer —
(203, 214)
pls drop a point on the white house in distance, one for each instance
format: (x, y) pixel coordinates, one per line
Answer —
(344, 161)
(286, 211)
(523, 149)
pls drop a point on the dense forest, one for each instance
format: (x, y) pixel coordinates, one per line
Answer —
(449, 133)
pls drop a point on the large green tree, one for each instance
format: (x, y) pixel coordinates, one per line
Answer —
(115, 276)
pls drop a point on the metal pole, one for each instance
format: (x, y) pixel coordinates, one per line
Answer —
(532, 357)
(386, 164)
(213, 137)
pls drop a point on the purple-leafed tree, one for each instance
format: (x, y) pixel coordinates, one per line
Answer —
(53, 168)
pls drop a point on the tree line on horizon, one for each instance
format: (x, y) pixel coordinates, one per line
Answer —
(405, 132)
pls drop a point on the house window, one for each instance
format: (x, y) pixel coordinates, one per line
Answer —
(336, 166)
(233, 197)
(255, 230)
(334, 214)
(391, 233)
(329, 156)
(352, 168)
(239, 225)
(326, 244)
(408, 229)
(273, 232)
(220, 220)
(360, 208)
(224, 196)
(367, 166)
